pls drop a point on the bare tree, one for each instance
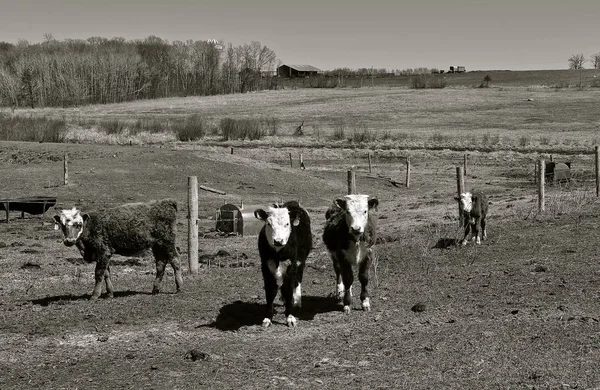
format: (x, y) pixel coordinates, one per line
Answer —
(576, 61)
(595, 60)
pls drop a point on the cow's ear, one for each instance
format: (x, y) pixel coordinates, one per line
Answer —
(296, 221)
(85, 217)
(373, 203)
(57, 222)
(473, 198)
(341, 203)
(260, 214)
(456, 198)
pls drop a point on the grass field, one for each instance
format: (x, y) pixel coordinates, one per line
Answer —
(519, 311)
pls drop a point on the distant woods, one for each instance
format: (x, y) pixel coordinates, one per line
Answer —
(98, 70)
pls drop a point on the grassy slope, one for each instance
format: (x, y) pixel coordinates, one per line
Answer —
(519, 311)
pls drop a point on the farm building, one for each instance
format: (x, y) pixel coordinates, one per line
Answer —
(298, 71)
(240, 219)
(457, 69)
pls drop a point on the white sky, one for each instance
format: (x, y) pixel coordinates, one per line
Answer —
(479, 34)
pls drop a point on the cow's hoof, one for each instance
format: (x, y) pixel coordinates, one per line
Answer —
(155, 291)
(463, 242)
(366, 305)
(347, 309)
(266, 323)
(478, 241)
(291, 320)
(94, 298)
(484, 237)
(110, 295)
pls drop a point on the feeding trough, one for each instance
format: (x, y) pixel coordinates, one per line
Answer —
(35, 205)
(239, 219)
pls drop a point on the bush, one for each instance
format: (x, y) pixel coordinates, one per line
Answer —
(112, 126)
(192, 129)
(339, 131)
(32, 129)
(239, 129)
(272, 125)
(427, 81)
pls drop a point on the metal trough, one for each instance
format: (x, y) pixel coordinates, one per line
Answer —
(35, 205)
(239, 219)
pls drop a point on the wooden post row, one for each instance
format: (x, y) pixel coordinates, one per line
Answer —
(66, 170)
(351, 181)
(193, 224)
(541, 184)
(460, 188)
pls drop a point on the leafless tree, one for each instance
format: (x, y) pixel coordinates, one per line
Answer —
(576, 61)
(595, 60)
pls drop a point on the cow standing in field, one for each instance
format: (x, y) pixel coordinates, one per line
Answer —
(285, 236)
(125, 230)
(474, 208)
(349, 235)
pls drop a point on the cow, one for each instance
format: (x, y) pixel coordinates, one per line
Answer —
(285, 236)
(474, 207)
(125, 230)
(349, 235)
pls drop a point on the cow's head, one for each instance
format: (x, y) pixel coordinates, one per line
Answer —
(278, 224)
(466, 201)
(71, 222)
(357, 211)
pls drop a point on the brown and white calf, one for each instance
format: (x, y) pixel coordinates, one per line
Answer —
(124, 230)
(474, 208)
(286, 236)
(349, 235)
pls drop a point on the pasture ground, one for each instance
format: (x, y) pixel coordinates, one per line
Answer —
(519, 311)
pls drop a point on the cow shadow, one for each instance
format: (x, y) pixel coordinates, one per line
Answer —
(238, 314)
(445, 243)
(84, 297)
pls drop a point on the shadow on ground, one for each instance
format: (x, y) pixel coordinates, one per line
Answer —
(445, 243)
(238, 314)
(84, 297)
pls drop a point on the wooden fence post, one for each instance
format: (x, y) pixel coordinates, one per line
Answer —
(351, 181)
(465, 164)
(291, 163)
(66, 169)
(597, 158)
(301, 161)
(541, 185)
(232, 150)
(193, 224)
(535, 172)
(407, 172)
(460, 188)
(369, 156)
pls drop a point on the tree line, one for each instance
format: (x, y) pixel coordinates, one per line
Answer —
(74, 72)
(577, 61)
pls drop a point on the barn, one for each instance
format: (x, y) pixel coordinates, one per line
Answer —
(291, 71)
(239, 219)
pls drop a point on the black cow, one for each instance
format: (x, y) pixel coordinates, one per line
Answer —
(285, 236)
(474, 207)
(349, 235)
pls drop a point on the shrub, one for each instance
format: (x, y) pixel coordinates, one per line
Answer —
(272, 125)
(524, 140)
(427, 81)
(112, 126)
(192, 129)
(239, 129)
(32, 129)
(339, 131)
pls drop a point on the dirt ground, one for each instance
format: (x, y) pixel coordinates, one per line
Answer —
(519, 311)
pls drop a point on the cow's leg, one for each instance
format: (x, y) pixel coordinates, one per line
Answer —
(177, 271)
(347, 278)
(288, 291)
(476, 230)
(270, 291)
(100, 275)
(108, 282)
(161, 261)
(297, 293)
(483, 231)
(467, 231)
(363, 276)
(338, 278)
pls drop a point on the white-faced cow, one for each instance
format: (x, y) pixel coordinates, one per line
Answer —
(125, 230)
(474, 208)
(285, 236)
(349, 235)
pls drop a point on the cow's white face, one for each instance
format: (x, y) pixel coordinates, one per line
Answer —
(357, 212)
(278, 225)
(71, 223)
(466, 201)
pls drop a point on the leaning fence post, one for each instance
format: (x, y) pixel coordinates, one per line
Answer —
(597, 170)
(407, 172)
(232, 150)
(291, 162)
(460, 188)
(66, 170)
(465, 164)
(351, 181)
(193, 224)
(369, 156)
(541, 184)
